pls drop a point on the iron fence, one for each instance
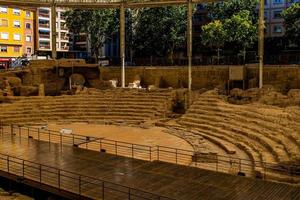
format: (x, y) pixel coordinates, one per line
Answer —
(208, 161)
(74, 183)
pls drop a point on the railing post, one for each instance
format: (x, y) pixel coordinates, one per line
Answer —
(19, 132)
(132, 151)
(129, 193)
(158, 153)
(61, 141)
(49, 137)
(100, 144)
(8, 164)
(103, 196)
(73, 139)
(28, 132)
(38, 134)
(11, 130)
(23, 171)
(176, 155)
(116, 146)
(40, 173)
(79, 182)
(58, 178)
(150, 148)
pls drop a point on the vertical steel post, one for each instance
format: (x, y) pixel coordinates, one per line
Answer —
(190, 41)
(122, 43)
(261, 41)
(53, 30)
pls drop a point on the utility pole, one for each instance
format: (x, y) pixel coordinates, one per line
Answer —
(190, 41)
(53, 30)
(122, 42)
(261, 38)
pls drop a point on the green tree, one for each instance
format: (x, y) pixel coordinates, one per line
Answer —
(241, 30)
(158, 31)
(225, 10)
(238, 19)
(292, 23)
(215, 35)
(99, 25)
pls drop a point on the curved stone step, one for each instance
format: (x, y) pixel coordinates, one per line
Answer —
(268, 141)
(265, 154)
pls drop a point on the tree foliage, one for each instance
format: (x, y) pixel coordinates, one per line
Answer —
(99, 25)
(292, 23)
(214, 34)
(241, 30)
(233, 22)
(158, 31)
(225, 10)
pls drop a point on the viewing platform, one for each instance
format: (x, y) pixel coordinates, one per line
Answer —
(78, 173)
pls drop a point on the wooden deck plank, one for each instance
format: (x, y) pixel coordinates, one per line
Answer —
(179, 182)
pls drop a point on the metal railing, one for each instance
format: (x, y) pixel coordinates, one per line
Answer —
(208, 161)
(81, 185)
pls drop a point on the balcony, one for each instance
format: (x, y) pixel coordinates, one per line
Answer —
(45, 15)
(44, 25)
(65, 48)
(45, 46)
(44, 36)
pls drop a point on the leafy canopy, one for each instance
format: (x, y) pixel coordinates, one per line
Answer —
(158, 31)
(292, 23)
(100, 25)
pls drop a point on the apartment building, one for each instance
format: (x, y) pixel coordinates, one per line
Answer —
(43, 24)
(16, 33)
(274, 21)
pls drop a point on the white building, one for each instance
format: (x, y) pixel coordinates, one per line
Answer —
(44, 35)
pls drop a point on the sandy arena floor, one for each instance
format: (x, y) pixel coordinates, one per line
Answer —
(152, 136)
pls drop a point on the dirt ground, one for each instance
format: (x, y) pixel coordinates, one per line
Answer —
(151, 136)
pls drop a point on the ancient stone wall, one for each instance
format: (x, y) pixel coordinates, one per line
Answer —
(282, 77)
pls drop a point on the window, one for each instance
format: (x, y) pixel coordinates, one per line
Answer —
(3, 9)
(28, 14)
(28, 26)
(16, 11)
(3, 48)
(266, 15)
(277, 1)
(17, 24)
(17, 37)
(28, 38)
(4, 36)
(28, 50)
(16, 49)
(4, 22)
(277, 29)
(277, 14)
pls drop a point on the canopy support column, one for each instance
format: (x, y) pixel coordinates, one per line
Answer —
(190, 41)
(53, 31)
(261, 38)
(122, 43)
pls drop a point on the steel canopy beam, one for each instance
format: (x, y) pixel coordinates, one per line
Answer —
(90, 4)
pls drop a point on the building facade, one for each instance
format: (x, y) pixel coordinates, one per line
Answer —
(274, 21)
(16, 32)
(44, 36)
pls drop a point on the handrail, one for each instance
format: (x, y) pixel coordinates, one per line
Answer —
(11, 161)
(214, 162)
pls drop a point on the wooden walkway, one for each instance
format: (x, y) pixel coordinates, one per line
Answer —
(170, 180)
